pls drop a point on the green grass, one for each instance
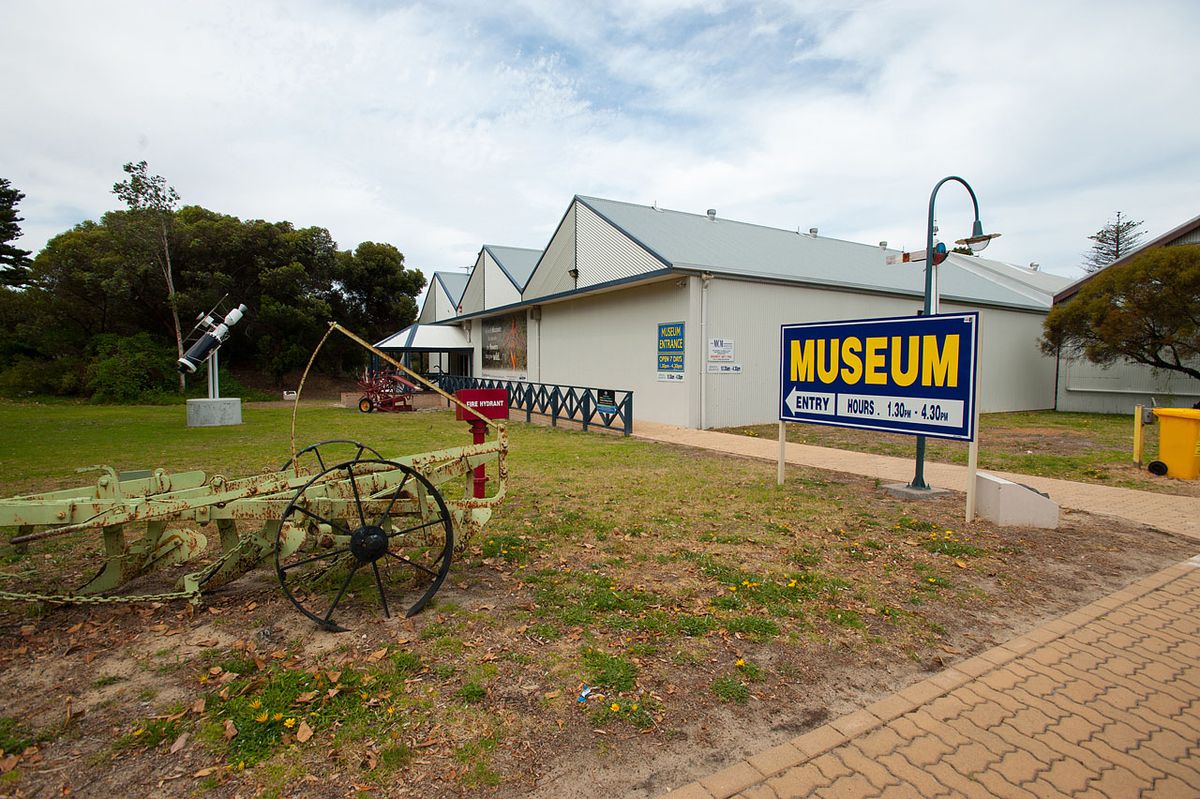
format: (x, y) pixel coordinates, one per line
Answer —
(731, 689)
(608, 671)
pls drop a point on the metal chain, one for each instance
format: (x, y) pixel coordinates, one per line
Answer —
(202, 576)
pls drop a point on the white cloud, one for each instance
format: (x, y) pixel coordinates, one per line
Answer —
(439, 128)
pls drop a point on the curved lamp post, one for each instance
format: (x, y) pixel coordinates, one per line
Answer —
(978, 240)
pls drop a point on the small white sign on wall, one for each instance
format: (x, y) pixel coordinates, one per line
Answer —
(720, 350)
(724, 368)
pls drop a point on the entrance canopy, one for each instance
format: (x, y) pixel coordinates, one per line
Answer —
(427, 338)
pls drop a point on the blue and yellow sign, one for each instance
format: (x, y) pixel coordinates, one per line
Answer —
(670, 351)
(910, 374)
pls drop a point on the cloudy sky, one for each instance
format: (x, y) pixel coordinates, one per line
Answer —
(439, 127)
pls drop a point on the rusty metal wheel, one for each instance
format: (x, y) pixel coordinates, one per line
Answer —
(375, 528)
(318, 456)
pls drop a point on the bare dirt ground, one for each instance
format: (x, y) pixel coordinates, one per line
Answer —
(83, 681)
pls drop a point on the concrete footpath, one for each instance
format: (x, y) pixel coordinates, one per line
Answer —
(1103, 703)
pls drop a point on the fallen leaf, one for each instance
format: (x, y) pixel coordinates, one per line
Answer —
(332, 692)
(307, 696)
(198, 706)
(214, 611)
(303, 732)
(204, 772)
(334, 676)
(180, 742)
(231, 731)
(9, 763)
(251, 606)
(377, 655)
(74, 628)
(553, 694)
(279, 654)
(960, 564)
(215, 670)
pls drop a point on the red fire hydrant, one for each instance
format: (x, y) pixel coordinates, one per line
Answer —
(491, 403)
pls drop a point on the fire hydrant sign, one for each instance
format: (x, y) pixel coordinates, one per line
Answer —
(910, 374)
(492, 403)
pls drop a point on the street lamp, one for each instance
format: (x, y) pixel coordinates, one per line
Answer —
(977, 241)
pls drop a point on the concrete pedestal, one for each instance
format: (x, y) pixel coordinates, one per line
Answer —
(214, 412)
(1010, 504)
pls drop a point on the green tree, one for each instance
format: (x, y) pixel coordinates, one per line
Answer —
(377, 293)
(1147, 310)
(14, 262)
(152, 203)
(1111, 242)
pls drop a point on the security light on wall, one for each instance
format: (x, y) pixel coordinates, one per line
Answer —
(574, 273)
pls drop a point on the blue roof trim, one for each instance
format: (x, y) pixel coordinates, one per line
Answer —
(488, 249)
(562, 294)
(453, 300)
(412, 333)
(538, 265)
(626, 233)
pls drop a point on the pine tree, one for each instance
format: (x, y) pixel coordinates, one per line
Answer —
(14, 262)
(1113, 241)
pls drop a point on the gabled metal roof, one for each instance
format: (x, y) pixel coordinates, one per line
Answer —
(427, 338)
(516, 262)
(724, 246)
(454, 284)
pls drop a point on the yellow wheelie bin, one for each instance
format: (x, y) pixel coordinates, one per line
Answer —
(1179, 441)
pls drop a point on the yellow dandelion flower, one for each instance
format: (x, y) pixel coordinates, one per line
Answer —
(289, 723)
(792, 584)
(733, 588)
(391, 710)
(932, 580)
(633, 707)
(277, 716)
(255, 704)
(136, 733)
(741, 663)
(746, 582)
(261, 718)
(614, 707)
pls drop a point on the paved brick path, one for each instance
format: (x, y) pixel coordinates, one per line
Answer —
(1163, 511)
(1103, 703)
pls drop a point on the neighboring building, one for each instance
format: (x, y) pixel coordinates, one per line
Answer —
(590, 310)
(1087, 387)
(441, 301)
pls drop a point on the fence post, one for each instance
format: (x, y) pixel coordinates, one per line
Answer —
(554, 407)
(585, 412)
(628, 403)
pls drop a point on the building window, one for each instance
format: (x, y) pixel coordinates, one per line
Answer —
(504, 342)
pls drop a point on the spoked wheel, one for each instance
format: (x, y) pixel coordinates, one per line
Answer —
(376, 530)
(336, 450)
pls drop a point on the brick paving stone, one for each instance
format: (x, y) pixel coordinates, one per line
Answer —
(956, 782)
(818, 741)
(871, 771)
(760, 791)
(1119, 783)
(1119, 758)
(1001, 788)
(797, 782)
(946, 707)
(1168, 788)
(1020, 767)
(943, 731)
(1075, 729)
(889, 708)
(776, 759)
(972, 758)
(879, 742)
(903, 791)
(853, 787)
(1023, 743)
(1179, 768)
(1067, 775)
(1031, 721)
(855, 723)
(1073, 751)
(729, 781)
(1169, 744)
(1046, 790)
(994, 743)
(831, 766)
(910, 774)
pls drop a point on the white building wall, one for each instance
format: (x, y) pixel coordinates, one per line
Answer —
(610, 340)
(498, 290)
(1087, 388)
(1014, 376)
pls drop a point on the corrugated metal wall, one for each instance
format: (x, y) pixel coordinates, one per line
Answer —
(606, 254)
(498, 290)
(1015, 375)
(473, 296)
(611, 341)
(551, 276)
(1088, 388)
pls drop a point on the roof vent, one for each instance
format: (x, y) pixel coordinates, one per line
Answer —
(812, 231)
(1034, 266)
(883, 245)
(712, 214)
